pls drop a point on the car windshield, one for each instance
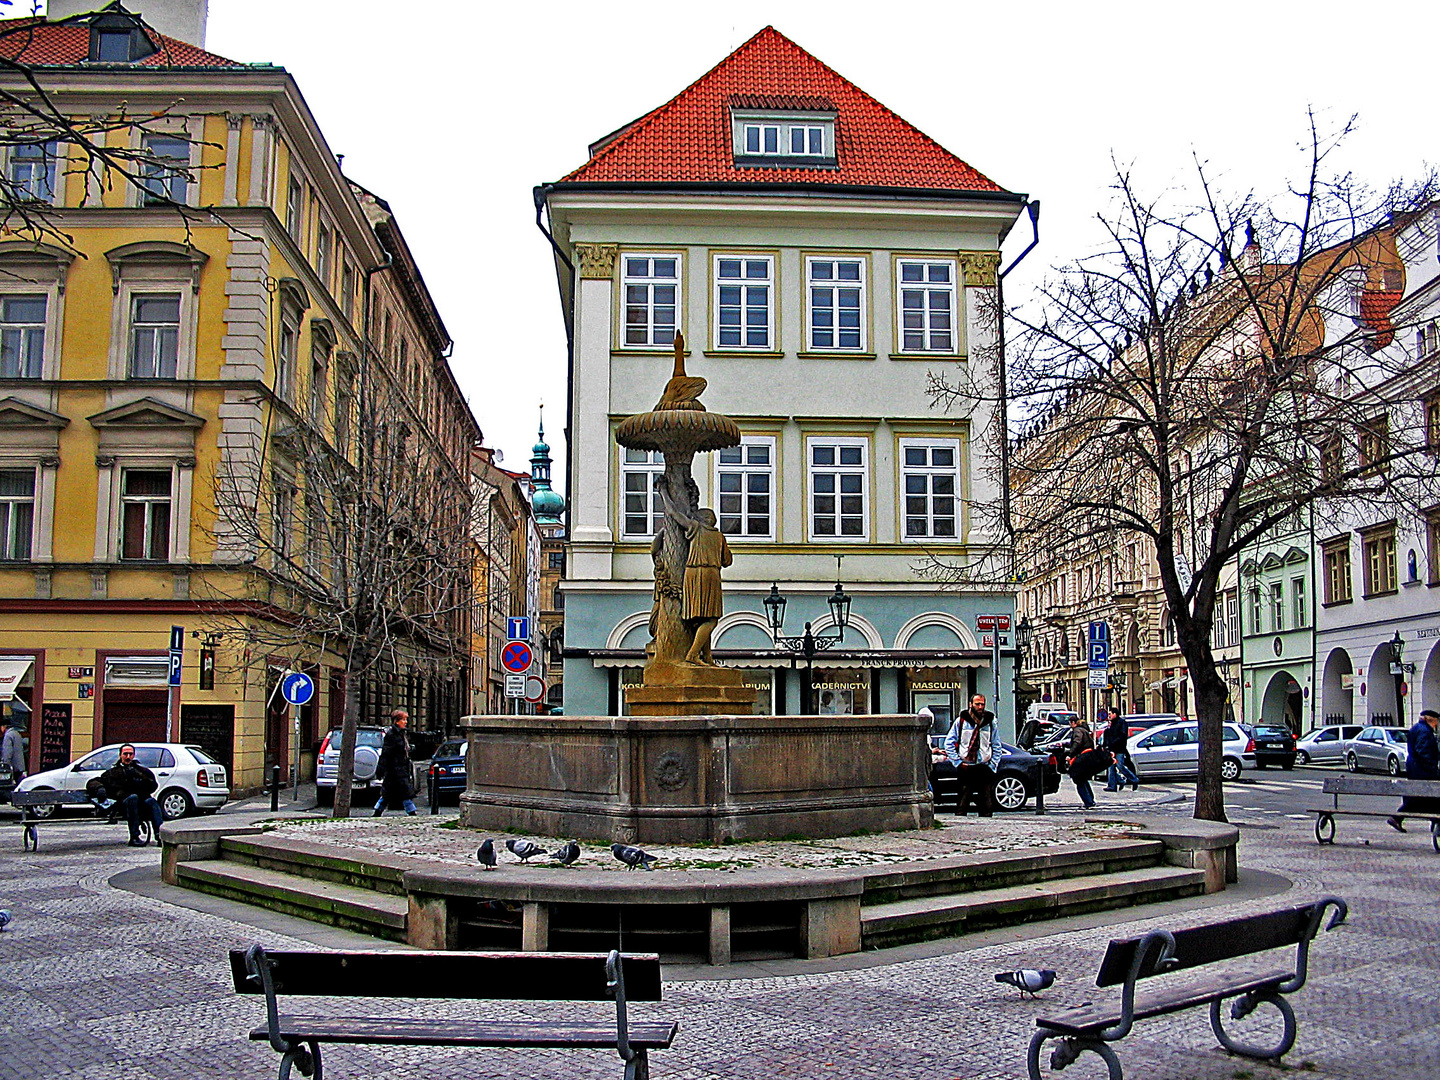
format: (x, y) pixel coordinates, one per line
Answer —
(1271, 732)
(450, 749)
(201, 756)
(372, 737)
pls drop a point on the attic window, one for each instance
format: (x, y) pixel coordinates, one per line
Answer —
(118, 39)
(798, 139)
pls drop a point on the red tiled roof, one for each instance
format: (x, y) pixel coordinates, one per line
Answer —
(1375, 308)
(688, 139)
(37, 43)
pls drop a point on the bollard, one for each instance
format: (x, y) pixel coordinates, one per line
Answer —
(274, 788)
(434, 795)
(1040, 786)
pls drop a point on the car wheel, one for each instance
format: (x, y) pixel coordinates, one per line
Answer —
(1351, 763)
(1303, 758)
(1010, 793)
(1230, 769)
(1393, 765)
(40, 813)
(175, 804)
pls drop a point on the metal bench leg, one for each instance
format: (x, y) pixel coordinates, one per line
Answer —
(1067, 1051)
(1435, 835)
(305, 1058)
(1244, 1005)
(1324, 828)
(638, 1067)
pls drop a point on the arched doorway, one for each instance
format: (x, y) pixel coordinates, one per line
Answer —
(1337, 700)
(1380, 704)
(1430, 682)
(1283, 704)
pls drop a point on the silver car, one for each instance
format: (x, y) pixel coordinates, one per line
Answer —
(1325, 744)
(368, 743)
(1378, 749)
(1174, 750)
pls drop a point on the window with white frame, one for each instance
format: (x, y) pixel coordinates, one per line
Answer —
(1277, 606)
(643, 511)
(930, 474)
(17, 513)
(347, 289)
(145, 514)
(322, 254)
(319, 377)
(285, 360)
(651, 285)
(1257, 611)
(1297, 602)
(33, 168)
(283, 523)
(770, 138)
(745, 480)
(154, 335)
(839, 483)
(22, 336)
(744, 302)
(295, 209)
(789, 140)
(835, 303)
(926, 298)
(164, 174)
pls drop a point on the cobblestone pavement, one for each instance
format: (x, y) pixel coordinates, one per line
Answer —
(100, 983)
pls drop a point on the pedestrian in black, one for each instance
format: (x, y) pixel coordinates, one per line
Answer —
(1082, 759)
(1122, 767)
(132, 785)
(1422, 762)
(396, 787)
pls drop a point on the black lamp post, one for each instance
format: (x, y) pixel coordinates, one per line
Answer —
(1399, 669)
(809, 643)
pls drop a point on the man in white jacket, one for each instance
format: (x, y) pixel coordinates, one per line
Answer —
(973, 747)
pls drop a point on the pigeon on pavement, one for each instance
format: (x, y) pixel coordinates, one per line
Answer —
(524, 850)
(567, 854)
(633, 856)
(4, 920)
(1027, 980)
(486, 854)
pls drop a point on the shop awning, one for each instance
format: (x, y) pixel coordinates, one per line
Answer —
(775, 658)
(12, 670)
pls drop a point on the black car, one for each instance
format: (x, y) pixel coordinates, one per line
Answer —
(447, 770)
(1015, 780)
(1274, 745)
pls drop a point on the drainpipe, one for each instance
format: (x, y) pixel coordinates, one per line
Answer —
(542, 192)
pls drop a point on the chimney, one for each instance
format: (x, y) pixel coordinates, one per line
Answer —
(182, 19)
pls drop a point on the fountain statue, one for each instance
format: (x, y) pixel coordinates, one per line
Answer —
(688, 553)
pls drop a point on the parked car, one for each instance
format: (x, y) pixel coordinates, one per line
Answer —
(190, 779)
(1274, 745)
(1015, 776)
(1138, 722)
(1327, 743)
(1041, 710)
(368, 742)
(1378, 749)
(1174, 750)
(447, 770)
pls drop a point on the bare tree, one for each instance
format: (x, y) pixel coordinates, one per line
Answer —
(356, 540)
(1170, 389)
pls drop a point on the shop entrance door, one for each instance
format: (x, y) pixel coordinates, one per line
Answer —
(134, 715)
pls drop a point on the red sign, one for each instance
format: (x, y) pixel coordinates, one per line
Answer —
(992, 622)
(516, 656)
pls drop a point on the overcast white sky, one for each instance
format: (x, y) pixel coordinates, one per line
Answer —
(453, 110)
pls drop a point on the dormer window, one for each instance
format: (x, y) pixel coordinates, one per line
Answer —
(788, 139)
(118, 39)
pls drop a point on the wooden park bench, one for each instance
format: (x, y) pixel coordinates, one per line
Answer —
(28, 801)
(1094, 1026)
(455, 975)
(1394, 788)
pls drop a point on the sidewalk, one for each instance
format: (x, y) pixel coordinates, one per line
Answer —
(102, 982)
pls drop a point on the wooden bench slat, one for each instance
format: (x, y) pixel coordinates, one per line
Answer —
(406, 1032)
(1199, 945)
(1157, 1000)
(1380, 785)
(1345, 812)
(436, 974)
(49, 798)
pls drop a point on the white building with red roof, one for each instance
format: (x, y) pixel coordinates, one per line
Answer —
(823, 259)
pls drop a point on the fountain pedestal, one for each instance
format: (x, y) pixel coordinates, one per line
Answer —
(690, 691)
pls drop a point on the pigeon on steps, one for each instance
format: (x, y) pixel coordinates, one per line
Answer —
(567, 854)
(524, 850)
(633, 856)
(4, 920)
(486, 854)
(1027, 980)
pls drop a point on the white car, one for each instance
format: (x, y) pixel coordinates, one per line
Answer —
(1325, 743)
(189, 779)
(1174, 750)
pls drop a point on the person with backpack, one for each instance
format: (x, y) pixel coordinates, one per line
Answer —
(1116, 740)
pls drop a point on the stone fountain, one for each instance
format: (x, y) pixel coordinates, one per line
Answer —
(692, 762)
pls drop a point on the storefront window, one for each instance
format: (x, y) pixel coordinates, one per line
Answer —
(841, 692)
(944, 691)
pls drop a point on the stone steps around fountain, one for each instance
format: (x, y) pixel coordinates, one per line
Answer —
(374, 870)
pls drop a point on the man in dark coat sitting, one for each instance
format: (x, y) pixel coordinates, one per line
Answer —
(1422, 762)
(395, 768)
(133, 786)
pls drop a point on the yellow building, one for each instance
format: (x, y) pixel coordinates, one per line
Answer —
(203, 316)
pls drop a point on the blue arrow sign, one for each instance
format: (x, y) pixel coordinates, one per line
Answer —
(518, 628)
(297, 688)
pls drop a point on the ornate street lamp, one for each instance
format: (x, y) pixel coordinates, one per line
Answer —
(809, 643)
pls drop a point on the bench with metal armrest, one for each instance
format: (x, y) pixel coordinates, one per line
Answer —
(1380, 786)
(1129, 961)
(28, 801)
(455, 975)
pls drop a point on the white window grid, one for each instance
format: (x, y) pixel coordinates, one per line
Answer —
(785, 140)
(1277, 605)
(745, 302)
(839, 482)
(154, 335)
(322, 255)
(17, 513)
(650, 288)
(1297, 601)
(164, 177)
(930, 478)
(33, 168)
(22, 336)
(835, 304)
(285, 360)
(145, 514)
(294, 208)
(745, 488)
(926, 305)
(640, 508)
